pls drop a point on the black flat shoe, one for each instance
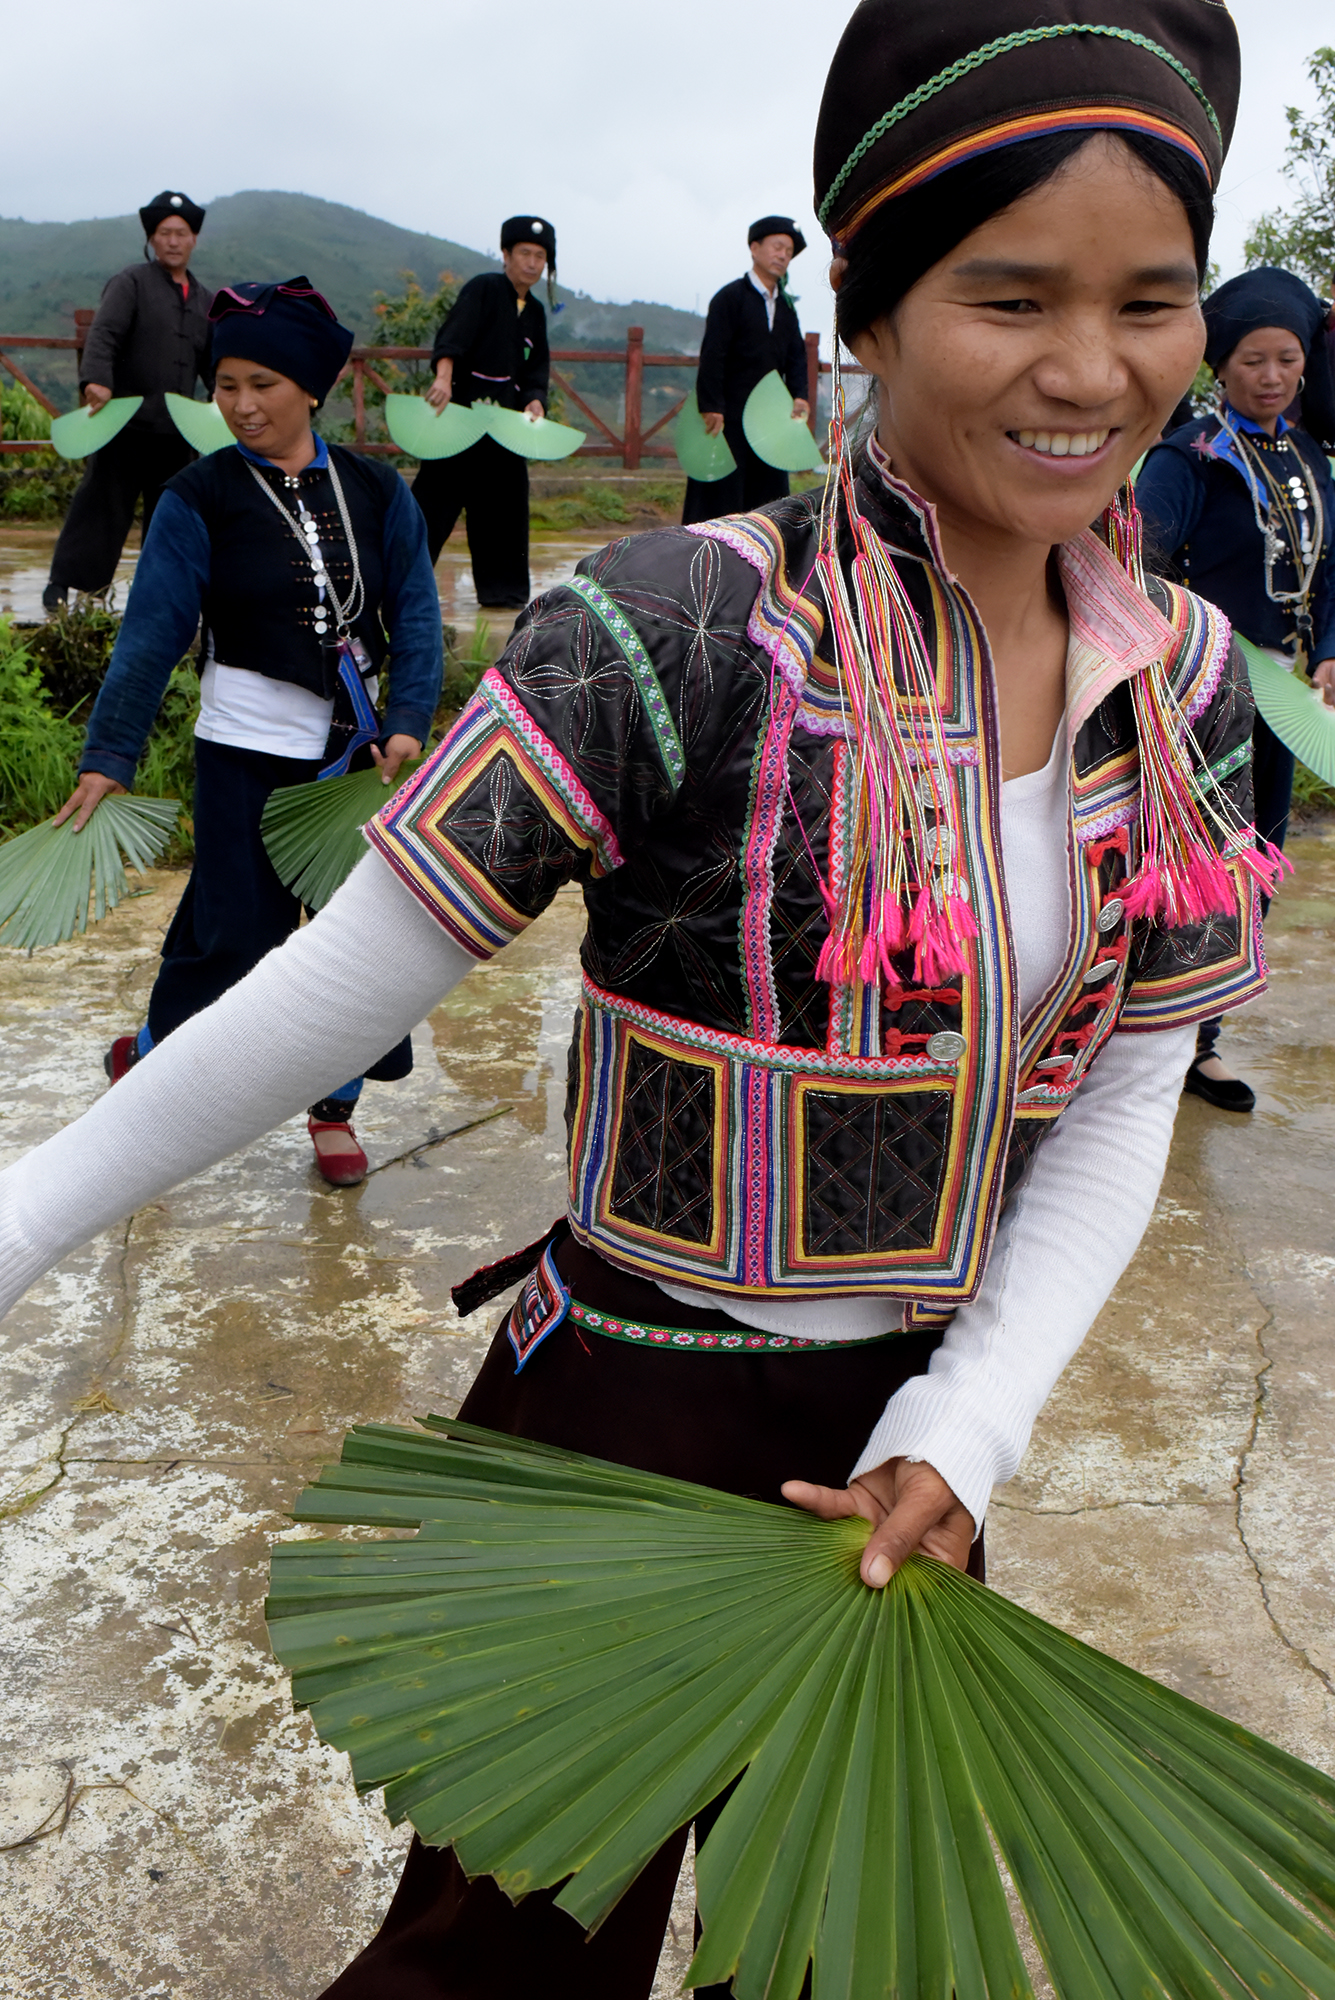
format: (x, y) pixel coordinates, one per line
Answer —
(1230, 1095)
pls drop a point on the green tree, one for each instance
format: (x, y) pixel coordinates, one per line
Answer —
(1302, 238)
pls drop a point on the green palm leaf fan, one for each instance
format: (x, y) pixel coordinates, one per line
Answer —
(571, 1658)
(774, 433)
(1297, 712)
(53, 881)
(313, 833)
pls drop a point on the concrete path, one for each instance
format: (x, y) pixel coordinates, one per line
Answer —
(172, 1829)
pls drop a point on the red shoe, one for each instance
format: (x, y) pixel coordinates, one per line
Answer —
(339, 1169)
(121, 1057)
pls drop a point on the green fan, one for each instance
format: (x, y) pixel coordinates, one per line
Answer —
(202, 425)
(774, 433)
(313, 833)
(571, 1659)
(426, 433)
(1296, 711)
(700, 456)
(529, 437)
(86, 430)
(53, 880)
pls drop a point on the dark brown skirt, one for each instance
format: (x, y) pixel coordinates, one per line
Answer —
(742, 1422)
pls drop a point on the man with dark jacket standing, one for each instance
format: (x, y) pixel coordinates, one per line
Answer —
(492, 349)
(751, 330)
(151, 333)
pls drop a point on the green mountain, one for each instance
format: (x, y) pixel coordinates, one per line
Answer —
(49, 268)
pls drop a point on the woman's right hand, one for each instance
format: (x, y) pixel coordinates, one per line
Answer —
(441, 390)
(86, 797)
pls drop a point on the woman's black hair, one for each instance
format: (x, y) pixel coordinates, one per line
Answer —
(907, 236)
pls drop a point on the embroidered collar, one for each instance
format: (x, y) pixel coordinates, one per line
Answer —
(1115, 631)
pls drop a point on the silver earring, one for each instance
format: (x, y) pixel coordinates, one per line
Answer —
(1302, 384)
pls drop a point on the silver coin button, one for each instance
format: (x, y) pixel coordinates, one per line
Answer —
(947, 1046)
(1110, 916)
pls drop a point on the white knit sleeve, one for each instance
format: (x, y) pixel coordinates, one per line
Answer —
(1061, 1246)
(318, 1010)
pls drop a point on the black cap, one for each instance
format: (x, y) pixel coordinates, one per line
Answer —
(171, 202)
(777, 225)
(530, 229)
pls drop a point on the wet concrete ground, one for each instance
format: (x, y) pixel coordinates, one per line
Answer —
(171, 1829)
(25, 564)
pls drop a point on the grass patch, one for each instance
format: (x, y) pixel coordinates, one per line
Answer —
(49, 677)
(600, 504)
(466, 660)
(1311, 795)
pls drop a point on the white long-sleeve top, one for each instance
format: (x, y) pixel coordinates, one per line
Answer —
(374, 963)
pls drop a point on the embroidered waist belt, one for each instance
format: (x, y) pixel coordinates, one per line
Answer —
(546, 1301)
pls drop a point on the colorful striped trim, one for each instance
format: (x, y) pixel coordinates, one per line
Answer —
(1004, 45)
(540, 749)
(684, 1340)
(615, 621)
(412, 832)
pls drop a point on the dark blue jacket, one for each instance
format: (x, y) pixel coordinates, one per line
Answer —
(218, 551)
(1200, 529)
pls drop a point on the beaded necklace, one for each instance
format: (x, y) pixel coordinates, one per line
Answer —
(1289, 516)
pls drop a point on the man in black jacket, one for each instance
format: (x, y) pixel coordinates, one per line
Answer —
(492, 349)
(751, 330)
(151, 333)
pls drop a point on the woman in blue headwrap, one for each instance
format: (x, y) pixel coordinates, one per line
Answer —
(303, 567)
(1241, 508)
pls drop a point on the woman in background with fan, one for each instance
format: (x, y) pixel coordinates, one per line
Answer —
(308, 567)
(1240, 506)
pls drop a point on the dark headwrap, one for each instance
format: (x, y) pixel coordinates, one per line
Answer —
(777, 225)
(531, 229)
(1270, 296)
(171, 202)
(915, 89)
(287, 327)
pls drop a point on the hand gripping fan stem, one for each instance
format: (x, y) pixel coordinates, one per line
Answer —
(85, 430)
(202, 425)
(774, 433)
(700, 456)
(571, 1659)
(54, 882)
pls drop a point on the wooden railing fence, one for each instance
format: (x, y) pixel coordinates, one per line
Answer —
(632, 447)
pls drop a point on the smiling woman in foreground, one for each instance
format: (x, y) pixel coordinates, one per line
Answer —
(914, 833)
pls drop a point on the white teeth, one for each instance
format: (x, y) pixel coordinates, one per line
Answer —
(1062, 444)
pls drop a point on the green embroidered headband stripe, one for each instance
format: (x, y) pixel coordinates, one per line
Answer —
(975, 60)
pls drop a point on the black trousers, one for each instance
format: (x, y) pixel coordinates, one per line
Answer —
(751, 485)
(741, 1422)
(234, 909)
(134, 466)
(1272, 779)
(489, 487)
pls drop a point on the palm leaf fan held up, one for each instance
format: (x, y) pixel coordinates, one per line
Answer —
(571, 1658)
(54, 880)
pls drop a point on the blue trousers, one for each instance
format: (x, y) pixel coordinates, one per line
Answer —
(235, 909)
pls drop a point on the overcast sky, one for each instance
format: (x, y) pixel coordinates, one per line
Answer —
(650, 135)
